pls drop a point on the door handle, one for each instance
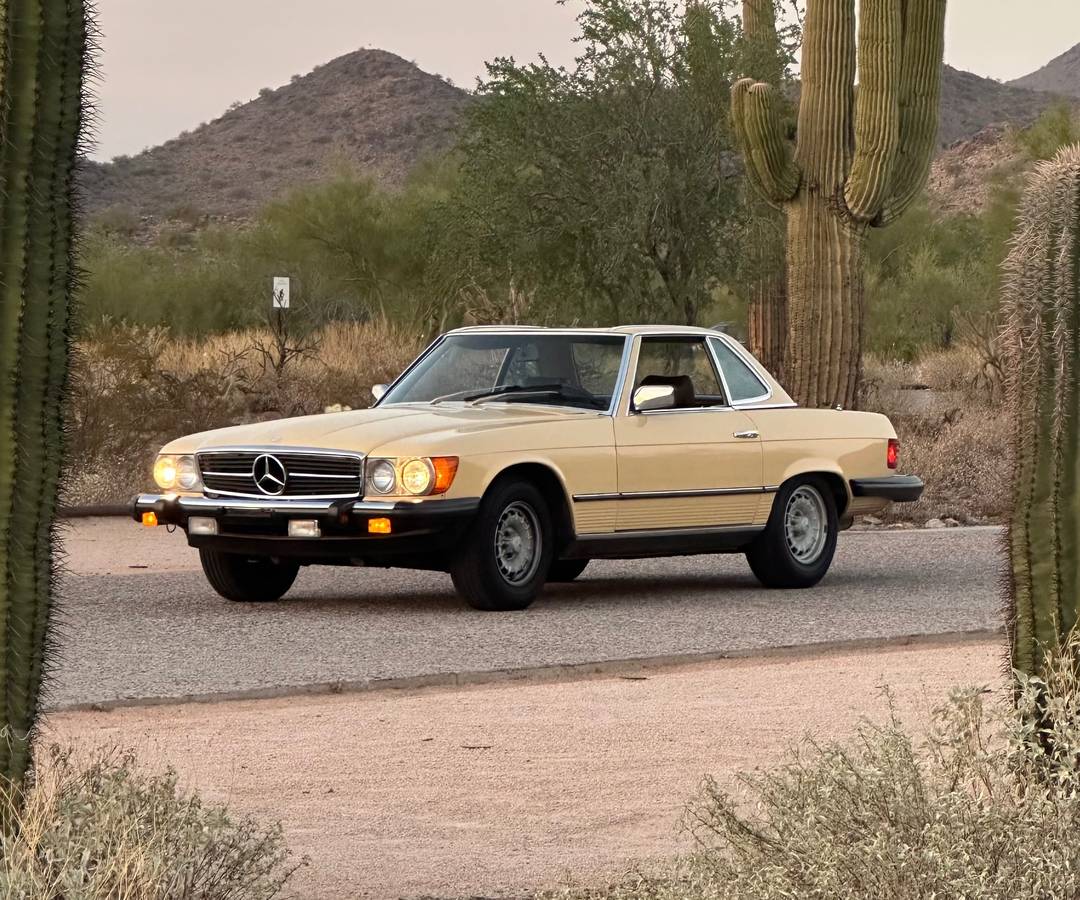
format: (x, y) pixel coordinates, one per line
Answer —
(747, 435)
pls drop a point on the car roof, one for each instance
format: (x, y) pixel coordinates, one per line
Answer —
(619, 329)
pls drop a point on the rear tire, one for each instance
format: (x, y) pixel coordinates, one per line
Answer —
(245, 579)
(797, 546)
(504, 559)
(563, 571)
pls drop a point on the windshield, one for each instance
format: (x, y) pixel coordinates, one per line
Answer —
(577, 370)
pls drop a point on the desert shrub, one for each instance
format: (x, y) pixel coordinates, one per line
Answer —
(117, 220)
(107, 829)
(951, 430)
(984, 805)
(134, 388)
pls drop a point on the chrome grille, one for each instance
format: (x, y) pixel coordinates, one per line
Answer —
(308, 473)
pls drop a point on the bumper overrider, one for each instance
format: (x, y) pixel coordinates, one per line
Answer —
(420, 534)
(897, 488)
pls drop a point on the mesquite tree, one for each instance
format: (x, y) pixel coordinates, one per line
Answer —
(43, 59)
(1041, 349)
(860, 160)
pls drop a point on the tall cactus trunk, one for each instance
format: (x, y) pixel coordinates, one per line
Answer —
(1041, 345)
(42, 62)
(825, 304)
(767, 323)
(859, 162)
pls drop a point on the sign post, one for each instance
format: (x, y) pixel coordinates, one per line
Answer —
(281, 292)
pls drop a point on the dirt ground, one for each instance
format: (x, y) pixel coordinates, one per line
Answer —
(502, 789)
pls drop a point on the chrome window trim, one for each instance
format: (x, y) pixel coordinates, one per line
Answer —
(274, 450)
(530, 330)
(752, 364)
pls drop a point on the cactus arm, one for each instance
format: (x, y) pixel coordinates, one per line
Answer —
(828, 79)
(920, 102)
(760, 134)
(877, 108)
(770, 147)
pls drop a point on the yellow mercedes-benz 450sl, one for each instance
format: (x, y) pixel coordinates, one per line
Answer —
(511, 456)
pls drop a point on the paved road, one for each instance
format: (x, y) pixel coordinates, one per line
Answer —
(168, 635)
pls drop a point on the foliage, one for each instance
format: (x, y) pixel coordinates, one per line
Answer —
(1041, 312)
(107, 829)
(604, 192)
(136, 387)
(979, 807)
(44, 54)
(1057, 127)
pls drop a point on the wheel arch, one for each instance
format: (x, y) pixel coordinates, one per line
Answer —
(832, 478)
(551, 485)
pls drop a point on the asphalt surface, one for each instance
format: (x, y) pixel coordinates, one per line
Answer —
(157, 636)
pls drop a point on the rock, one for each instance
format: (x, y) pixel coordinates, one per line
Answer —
(871, 520)
(951, 523)
(934, 523)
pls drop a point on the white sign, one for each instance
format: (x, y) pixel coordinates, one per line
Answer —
(281, 293)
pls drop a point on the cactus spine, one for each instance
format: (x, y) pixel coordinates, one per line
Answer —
(860, 160)
(1041, 345)
(43, 52)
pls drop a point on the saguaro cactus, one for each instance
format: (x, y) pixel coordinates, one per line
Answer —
(762, 60)
(861, 158)
(43, 53)
(1041, 345)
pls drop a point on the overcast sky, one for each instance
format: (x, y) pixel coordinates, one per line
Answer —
(168, 66)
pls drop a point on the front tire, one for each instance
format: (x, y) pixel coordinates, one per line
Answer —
(245, 579)
(797, 546)
(505, 557)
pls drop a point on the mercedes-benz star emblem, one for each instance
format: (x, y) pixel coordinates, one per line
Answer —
(270, 475)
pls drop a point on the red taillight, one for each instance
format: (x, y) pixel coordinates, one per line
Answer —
(892, 456)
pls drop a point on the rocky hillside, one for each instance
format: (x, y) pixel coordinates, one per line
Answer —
(969, 103)
(1060, 76)
(963, 175)
(370, 109)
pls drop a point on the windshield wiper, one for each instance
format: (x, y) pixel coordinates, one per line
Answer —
(540, 391)
(471, 395)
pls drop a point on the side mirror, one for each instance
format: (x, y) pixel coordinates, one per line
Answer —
(654, 396)
(378, 391)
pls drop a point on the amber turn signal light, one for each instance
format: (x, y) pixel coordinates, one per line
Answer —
(379, 526)
(149, 519)
(445, 470)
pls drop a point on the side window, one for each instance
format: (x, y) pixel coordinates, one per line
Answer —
(741, 380)
(665, 358)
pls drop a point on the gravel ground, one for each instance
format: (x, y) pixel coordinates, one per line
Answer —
(160, 632)
(499, 790)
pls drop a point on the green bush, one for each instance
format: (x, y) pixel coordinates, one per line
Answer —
(984, 806)
(109, 830)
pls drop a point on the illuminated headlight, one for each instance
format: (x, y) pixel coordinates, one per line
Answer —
(417, 476)
(177, 473)
(383, 476)
(411, 476)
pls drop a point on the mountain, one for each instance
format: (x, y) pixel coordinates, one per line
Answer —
(370, 109)
(1060, 76)
(969, 103)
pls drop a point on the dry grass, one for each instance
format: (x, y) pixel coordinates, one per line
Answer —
(101, 828)
(134, 389)
(953, 434)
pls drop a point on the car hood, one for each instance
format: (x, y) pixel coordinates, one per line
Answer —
(365, 430)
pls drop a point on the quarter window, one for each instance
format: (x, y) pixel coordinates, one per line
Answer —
(743, 383)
